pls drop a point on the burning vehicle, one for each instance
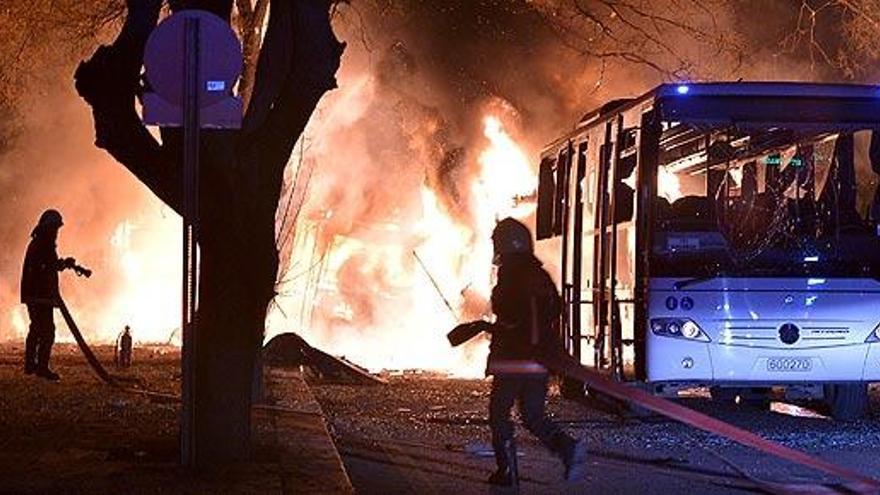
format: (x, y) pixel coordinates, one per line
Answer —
(723, 235)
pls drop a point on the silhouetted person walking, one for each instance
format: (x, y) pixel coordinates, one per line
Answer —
(39, 291)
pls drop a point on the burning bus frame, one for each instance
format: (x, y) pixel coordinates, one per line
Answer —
(722, 235)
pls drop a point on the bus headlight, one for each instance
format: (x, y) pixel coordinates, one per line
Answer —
(682, 328)
(690, 330)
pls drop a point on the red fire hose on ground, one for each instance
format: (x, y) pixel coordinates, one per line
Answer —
(854, 481)
(560, 362)
(566, 365)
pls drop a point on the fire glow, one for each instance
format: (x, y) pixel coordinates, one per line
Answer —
(367, 295)
(134, 284)
(396, 318)
(144, 299)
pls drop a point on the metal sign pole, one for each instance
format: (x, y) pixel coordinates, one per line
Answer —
(190, 238)
(191, 88)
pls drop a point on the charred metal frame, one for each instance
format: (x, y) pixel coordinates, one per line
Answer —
(572, 165)
(614, 324)
(577, 249)
(600, 254)
(607, 332)
(563, 164)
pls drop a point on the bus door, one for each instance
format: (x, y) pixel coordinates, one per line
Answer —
(614, 262)
(562, 212)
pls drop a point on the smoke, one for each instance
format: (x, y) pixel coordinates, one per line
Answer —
(386, 213)
(395, 156)
(397, 212)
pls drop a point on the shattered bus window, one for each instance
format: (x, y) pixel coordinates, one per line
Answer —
(767, 201)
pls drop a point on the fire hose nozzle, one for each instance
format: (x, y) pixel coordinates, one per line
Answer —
(466, 331)
(82, 271)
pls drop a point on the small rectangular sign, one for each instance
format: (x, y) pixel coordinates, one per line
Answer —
(789, 364)
(216, 86)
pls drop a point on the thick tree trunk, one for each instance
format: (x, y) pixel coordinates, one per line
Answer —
(240, 186)
(230, 333)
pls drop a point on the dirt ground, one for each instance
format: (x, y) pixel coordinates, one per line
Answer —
(417, 434)
(82, 436)
(424, 435)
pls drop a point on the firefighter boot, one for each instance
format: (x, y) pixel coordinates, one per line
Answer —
(48, 374)
(507, 473)
(30, 354)
(575, 459)
(42, 370)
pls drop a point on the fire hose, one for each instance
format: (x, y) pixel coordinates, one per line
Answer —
(94, 363)
(564, 364)
(560, 362)
(567, 366)
(119, 382)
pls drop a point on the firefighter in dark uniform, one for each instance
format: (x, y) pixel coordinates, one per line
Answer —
(527, 306)
(39, 291)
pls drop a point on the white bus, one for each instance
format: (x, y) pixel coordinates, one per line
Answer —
(723, 235)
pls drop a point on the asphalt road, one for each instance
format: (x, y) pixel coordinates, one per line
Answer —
(430, 435)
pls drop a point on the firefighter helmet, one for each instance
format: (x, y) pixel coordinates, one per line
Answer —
(511, 236)
(50, 218)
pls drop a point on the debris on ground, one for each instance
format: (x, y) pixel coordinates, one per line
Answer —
(292, 351)
(448, 450)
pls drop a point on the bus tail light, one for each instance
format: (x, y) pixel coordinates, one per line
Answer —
(682, 328)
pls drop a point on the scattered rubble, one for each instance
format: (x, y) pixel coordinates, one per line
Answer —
(291, 350)
(449, 447)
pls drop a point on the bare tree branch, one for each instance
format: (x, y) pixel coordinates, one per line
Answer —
(283, 89)
(109, 83)
(677, 40)
(850, 35)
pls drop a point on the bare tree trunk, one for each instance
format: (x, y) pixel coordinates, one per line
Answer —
(240, 188)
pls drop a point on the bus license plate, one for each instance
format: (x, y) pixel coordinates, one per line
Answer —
(789, 364)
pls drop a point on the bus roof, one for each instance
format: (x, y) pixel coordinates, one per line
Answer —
(780, 103)
(783, 89)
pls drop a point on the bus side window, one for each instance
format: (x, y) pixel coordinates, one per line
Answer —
(625, 192)
(546, 200)
(562, 166)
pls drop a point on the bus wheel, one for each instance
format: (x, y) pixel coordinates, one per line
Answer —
(753, 397)
(847, 402)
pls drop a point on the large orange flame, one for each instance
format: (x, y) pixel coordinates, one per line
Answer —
(438, 257)
(392, 317)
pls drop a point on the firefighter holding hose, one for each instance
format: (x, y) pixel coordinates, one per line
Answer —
(527, 306)
(39, 291)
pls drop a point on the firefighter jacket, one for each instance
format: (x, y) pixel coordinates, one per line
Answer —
(39, 278)
(527, 307)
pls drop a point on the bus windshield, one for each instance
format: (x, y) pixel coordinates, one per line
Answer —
(766, 202)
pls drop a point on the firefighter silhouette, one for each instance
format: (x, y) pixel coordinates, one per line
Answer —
(39, 291)
(124, 348)
(527, 306)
